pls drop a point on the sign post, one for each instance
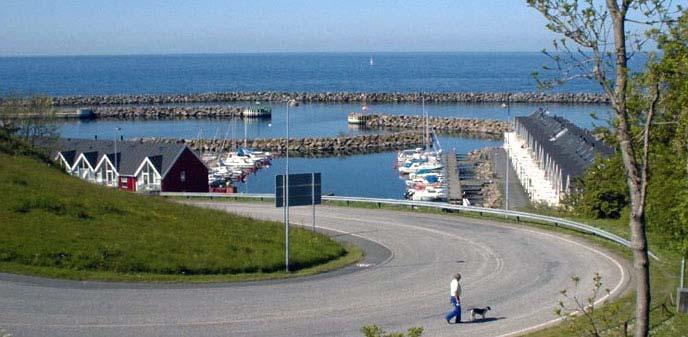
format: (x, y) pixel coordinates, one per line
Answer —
(297, 190)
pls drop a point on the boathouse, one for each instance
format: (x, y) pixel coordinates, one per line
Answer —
(549, 152)
(134, 166)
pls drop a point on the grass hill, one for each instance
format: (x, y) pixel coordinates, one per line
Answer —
(59, 226)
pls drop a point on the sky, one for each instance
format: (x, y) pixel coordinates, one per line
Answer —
(116, 27)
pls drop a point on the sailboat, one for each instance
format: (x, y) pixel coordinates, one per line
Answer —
(371, 61)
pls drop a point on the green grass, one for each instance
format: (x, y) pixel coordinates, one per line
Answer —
(54, 225)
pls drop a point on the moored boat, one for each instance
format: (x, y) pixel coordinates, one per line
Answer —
(257, 110)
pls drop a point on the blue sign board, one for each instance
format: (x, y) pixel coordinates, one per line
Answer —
(304, 189)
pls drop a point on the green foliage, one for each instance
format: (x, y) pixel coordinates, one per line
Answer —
(27, 117)
(602, 192)
(583, 316)
(54, 224)
(11, 145)
(376, 331)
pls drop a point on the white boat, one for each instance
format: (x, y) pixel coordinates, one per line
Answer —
(404, 155)
(429, 193)
(423, 173)
(257, 110)
(241, 162)
(208, 157)
(434, 179)
(359, 118)
(414, 167)
(258, 156)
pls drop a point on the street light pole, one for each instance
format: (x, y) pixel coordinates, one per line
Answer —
(508, 155)
(116, 169)
(286, 198)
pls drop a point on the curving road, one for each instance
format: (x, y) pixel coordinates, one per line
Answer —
(516, 270)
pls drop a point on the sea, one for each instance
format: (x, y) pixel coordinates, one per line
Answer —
(370, 175)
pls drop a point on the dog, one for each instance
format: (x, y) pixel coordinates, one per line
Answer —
(478, 311)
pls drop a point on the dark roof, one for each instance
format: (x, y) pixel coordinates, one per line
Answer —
(130, 154)
(574, 149)
(69, 156)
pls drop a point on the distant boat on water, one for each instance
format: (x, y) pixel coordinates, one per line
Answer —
(257, 110)
(372, 63)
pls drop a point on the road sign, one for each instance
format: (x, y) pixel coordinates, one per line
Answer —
(304, 189)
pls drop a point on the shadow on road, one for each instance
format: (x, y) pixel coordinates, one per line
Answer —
(485, 320)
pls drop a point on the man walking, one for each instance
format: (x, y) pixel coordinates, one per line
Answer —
(455, 299)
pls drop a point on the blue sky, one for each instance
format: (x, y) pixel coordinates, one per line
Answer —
(63, 27)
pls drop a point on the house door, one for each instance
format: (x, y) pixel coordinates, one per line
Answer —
(131, 183)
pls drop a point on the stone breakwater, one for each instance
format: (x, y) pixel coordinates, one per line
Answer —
(124, 112)
(334, 97)
(309, 147)
(484, 170)
(440, 124)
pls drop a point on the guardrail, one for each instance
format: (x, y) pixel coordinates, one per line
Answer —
(439, 205)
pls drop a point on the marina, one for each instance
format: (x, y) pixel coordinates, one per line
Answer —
(369, 174)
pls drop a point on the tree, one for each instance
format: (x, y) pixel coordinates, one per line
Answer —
(594, 322)
(27, 117)
(593, 27)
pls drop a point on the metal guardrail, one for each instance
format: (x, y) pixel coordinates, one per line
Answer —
(439, 205)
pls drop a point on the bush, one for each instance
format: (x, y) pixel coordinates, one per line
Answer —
(602, 192)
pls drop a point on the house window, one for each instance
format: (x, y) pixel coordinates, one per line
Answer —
(109, 174)
(182, 176)
(84, 169)
(146, 175)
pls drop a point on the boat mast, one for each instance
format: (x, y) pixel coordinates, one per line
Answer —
(245, 133)
(426, 132)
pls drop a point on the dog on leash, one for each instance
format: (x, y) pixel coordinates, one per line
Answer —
(478, 311)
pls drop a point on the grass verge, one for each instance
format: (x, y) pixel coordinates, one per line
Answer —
(58, 226)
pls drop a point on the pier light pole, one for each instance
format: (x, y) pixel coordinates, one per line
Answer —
(508, 154)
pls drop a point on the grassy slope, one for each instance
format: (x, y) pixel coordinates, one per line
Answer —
(58, 226)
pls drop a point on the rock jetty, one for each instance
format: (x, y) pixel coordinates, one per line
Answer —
(485, 171)
(309, 147)
(125, 112)
(440, 124)
(333, 97)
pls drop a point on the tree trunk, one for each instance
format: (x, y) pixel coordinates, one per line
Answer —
(641, 271)
(636, 183)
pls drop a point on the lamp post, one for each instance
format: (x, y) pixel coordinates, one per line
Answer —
(508, 154)
(116, 168)
(286, 196)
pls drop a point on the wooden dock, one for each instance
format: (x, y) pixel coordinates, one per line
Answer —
(454, 192)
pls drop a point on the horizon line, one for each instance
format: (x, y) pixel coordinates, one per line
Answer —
(273, 52)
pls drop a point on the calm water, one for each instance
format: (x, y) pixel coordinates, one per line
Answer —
(371, 175)
(431, 72)
(364, 175)
(310, 120)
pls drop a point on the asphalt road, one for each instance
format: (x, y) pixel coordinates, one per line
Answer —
(518, 271)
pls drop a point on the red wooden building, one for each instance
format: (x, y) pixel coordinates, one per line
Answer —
(134, 166)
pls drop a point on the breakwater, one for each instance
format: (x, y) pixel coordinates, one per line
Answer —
(333, 97)
(440, 124)
(309, 147)
(126, 112)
